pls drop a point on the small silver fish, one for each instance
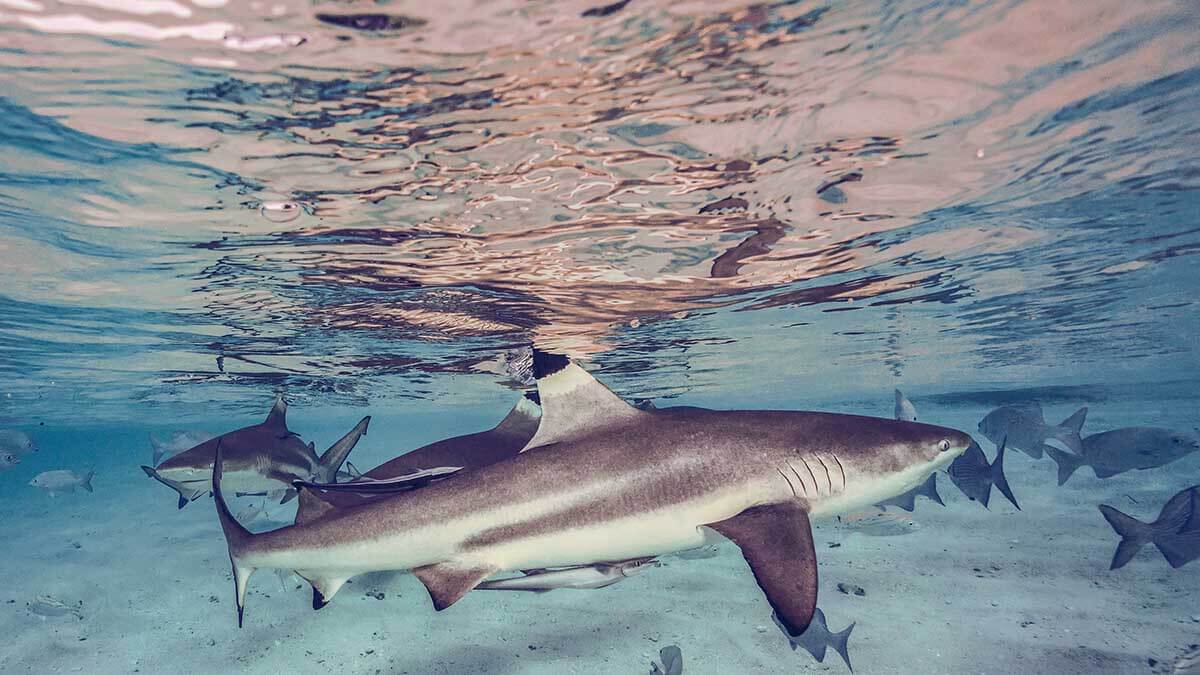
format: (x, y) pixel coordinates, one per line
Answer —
(1189, 663)
(46, 605)
(16, 442)
(879, 523)
(1024, 427)
(62, 480)
(8, 460)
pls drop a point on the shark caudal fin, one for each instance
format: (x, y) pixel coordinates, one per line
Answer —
(1067, 433)
(839, 643)
(237, 538)
(1134, 535)
(331, 462)
(1066, 461)
(998, 477)
(86, 481)
(573, 402)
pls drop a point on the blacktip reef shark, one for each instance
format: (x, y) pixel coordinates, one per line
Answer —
(427, 463)
(602, 481)
(263, 458)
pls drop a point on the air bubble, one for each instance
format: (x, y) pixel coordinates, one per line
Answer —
(280, 212)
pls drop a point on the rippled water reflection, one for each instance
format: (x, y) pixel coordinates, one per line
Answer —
(347, 202)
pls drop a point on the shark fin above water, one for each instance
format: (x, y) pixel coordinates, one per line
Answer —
(448, 582)
(777, 542)
(573, 402)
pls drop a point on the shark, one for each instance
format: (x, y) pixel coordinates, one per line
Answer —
(602, 481)
(262, 458)
(427, 463)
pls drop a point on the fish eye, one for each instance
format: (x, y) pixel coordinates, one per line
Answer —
(943, 445)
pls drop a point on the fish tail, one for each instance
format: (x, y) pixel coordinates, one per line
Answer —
(331, 462)
(1075, 421)
(237, 537)
(998, 477)
(1069, 436)
(838, 641)
(1067, 463)
(1134, 535)
(87, 481)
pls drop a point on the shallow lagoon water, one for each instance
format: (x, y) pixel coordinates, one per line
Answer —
(778, 205)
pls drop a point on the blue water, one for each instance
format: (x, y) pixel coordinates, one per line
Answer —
(776, 205)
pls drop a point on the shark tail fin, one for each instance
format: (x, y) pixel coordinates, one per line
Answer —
(237, 537)
(929, 489)
(1134, 535)
(331, 462)
(998, 477)
(87, 481)
(1067, 463)
(839, 641)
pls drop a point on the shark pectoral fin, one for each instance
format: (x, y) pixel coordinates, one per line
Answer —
(777, 542)
(288, 495)
(447, 582)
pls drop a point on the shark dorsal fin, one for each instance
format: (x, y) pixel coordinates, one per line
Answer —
(573, 402)
(277, 418)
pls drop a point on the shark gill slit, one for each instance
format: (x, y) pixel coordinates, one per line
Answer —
(811, 474)
(841, 470)
(789, 482)
(797, 474)
(828, 479)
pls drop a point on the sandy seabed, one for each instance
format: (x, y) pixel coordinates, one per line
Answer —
(971, 591)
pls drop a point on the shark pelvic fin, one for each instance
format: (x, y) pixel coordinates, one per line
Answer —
(237, 537)
(186, 495)
(777, 542)
(324, 586)
(573, 402)
(277, 418)
(331, 462)
(447, 582)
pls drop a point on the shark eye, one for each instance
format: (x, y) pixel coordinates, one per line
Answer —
(943, 445)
